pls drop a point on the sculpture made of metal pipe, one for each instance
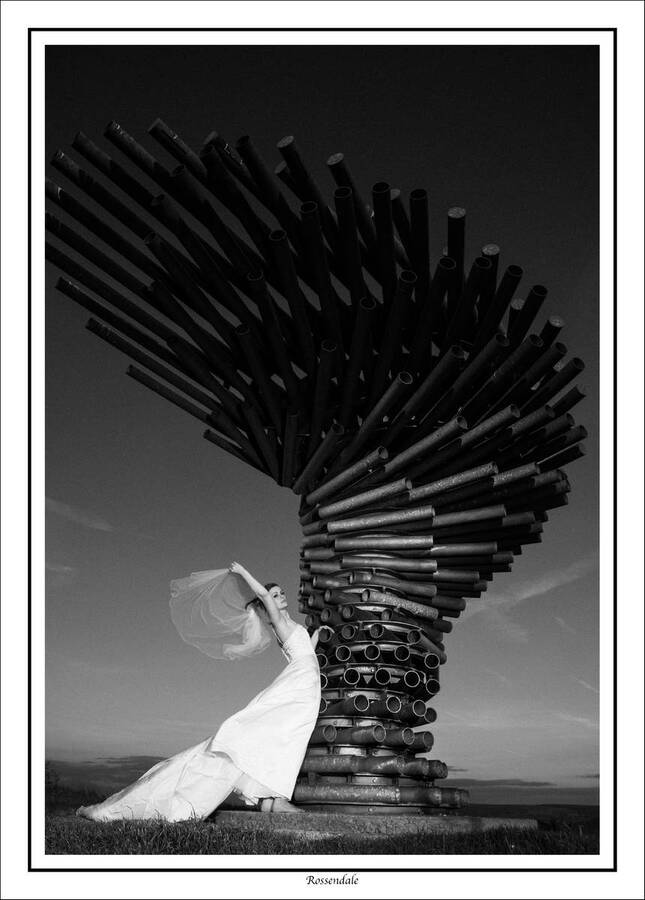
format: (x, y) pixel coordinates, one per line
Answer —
(528, 313)
(358, 356)
(317, 255)
(390, 398)
(460, 323)
(343, 178)
(554, 385)
(349, 243)
(384, 227)
(477, 368)
(429, 315)
(389, 348)
(373, 460)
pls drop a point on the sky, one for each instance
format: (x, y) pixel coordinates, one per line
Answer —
(135, 496)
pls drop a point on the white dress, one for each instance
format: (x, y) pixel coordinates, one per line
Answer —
(257, 752)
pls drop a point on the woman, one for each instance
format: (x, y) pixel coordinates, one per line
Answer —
(258, 751)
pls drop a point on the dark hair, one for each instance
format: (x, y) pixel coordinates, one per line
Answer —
(256, 602)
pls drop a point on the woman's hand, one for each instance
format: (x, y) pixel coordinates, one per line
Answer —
(236, 569)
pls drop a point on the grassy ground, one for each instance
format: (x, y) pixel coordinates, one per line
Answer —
(67, 835)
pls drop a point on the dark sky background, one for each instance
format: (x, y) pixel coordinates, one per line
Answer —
(136, 497)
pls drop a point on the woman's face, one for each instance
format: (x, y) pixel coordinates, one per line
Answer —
(279, 596)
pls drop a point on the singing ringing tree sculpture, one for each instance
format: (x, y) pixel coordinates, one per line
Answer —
(416, 406)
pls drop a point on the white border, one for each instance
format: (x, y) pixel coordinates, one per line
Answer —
(14, 524)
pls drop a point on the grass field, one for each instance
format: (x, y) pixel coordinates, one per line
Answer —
(65, 834)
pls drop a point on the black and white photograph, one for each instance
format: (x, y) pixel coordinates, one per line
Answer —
(323, 579)
(376, 298)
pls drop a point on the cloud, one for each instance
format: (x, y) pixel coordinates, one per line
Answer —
(496, 604)
(578, 720)
(79, 516)
(585, 684)
(594, 775)
(59, 575)
(456, 769)
(507, 628)
(564, 626)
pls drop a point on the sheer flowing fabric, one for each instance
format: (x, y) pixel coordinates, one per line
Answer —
(207, 609)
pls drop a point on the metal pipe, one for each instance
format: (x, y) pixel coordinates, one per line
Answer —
(470, 548)
(434, 441)
(289, 448)
(82, 179)
(256, 429)
(399, 306)
(419, 241)
(476, 369)
(402, 228)
(440, 486)
(102, 230)
(136, 153)
(554, 385)
(398, 737)
(369, 734)
(386, 598)
(358, 359)
(379, 520)
(365, 465)
(468, 516)
(456, 241)
(383, 542)
(320, 457)
(265, 386)
(493, 316)
(574, 452)
(460, 323)
(574, 436)
(349, 243)
(433, 385)
(111, 168)
(520, 359)
(430, 314)
(391, 582)
(232, 162)
(398, 565)
(323, 734)
(389, 399)
(317, 256)
(569, 400)
(224, 186)
(527, 314)
(552, 328)
(306, 185)
(487, 293)
(343, 178)
(366, 498)
(328, 357)
(520, 392)
(375, 795)
(299, 307)
(270, 193)
(382, 203)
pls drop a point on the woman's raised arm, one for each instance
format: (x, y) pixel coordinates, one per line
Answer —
(260, 591)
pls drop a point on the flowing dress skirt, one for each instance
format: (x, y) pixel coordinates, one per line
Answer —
(257, 752)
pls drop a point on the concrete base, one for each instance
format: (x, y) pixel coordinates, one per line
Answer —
(331, 825)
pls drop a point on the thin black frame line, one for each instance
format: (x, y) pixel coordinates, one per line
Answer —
(613, 868)
(394, 30)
